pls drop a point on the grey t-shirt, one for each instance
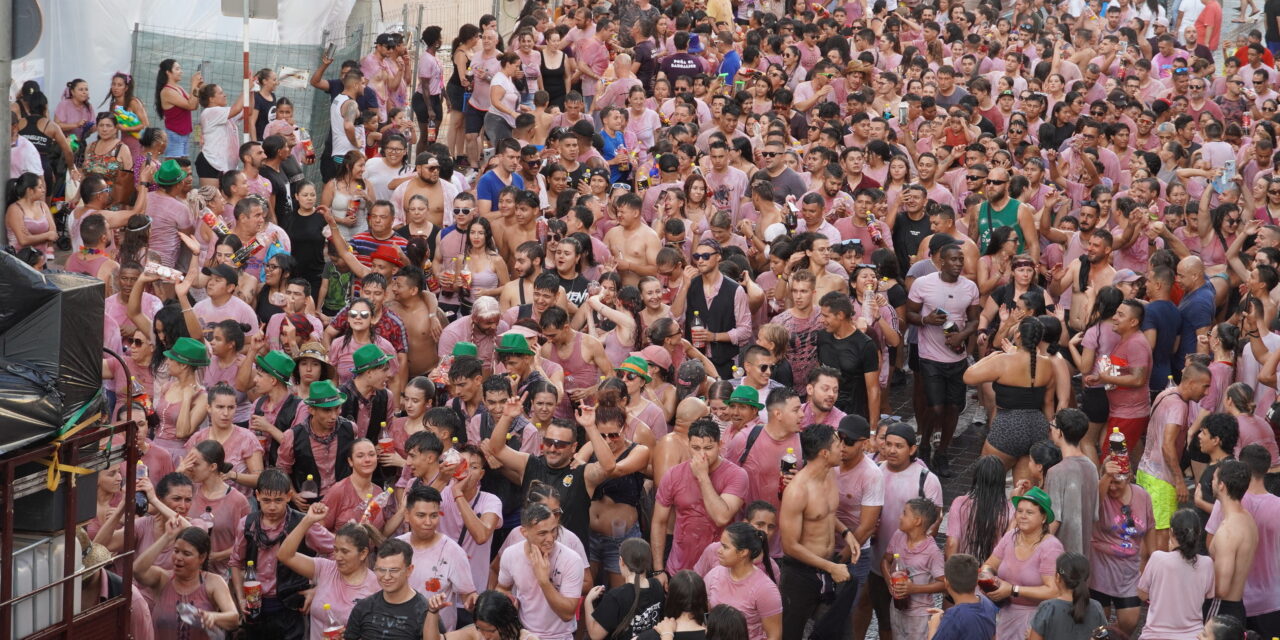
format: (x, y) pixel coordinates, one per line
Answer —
(788, 183)
(1073, 487)
(1053, 620)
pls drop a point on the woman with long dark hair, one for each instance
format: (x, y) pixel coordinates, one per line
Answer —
(630, 609)
(1098, 337)
(1020, 377)
(187, 588)
(343, 193)
(175, 105)
(496, 618)
(684, 611)
(1176, 582)
(357, 333)
(739, 583)
(980, 517)
(1072, 614)
(206, 465)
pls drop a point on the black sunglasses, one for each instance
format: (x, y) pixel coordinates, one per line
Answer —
(698, 257)
(555, 444)
(997, 182)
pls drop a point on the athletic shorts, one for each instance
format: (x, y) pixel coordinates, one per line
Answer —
(944, 382)
(1094, 404)
(1164, 498)
(1134, 429)
(473, 120)
(1107, 600)
(206, 170)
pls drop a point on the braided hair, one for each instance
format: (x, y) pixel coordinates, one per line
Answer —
(1031, 332)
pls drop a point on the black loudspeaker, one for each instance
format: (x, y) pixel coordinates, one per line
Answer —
(50, 350)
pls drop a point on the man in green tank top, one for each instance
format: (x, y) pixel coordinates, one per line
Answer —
(1000, 210)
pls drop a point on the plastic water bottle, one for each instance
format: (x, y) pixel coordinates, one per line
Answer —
(899, 575)
(696, 324)
(333, 630)
(140, 501)
(374, 506)
(868, 299)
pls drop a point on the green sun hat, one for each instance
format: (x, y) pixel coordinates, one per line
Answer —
(324, 394)
(169, 174)
(1038, 496)
(369, 357)
(465, 348)
(276, 364)
(188, 351)
(746, 394)
(515, 344)
(636, 365)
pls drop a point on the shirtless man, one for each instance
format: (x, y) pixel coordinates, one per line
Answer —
(428, 185)
(1101, 274)
(1235, 542)
(522, 227)
(673, 448)
(809, 532)
(525, 267)
(422, 323)
(633, 244)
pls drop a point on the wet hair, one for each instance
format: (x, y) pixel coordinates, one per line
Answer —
(1185, 527)
(539, 492)
(495, 608)
(199, 540)
(171, 481)
(988, 515)
(1073, 570)
(1225, 426)
(273, 480)
(424, 442)
(636, 555)
(704, 427)
(212, 453)
(397, 547)
(752, 540)
(1226, 627)
(1234, 476)
(422, 494)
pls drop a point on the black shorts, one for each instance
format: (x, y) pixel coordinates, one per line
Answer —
(944, 382)
(473, 119)
(1094, 404)
(453, 92)
(206, 170)
(913, 357)
(1215, 607)
(1129, 602)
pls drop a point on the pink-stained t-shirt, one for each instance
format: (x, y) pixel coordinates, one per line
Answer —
(325, 456)
(1029, 572)
(861, 486)
(764, 472)
(755, 596)
(694, 529)
(961, 508)
(1255, 430)
(954, 298)
(145, 530)
(441, 568)
(654, 417)
(333, 590)
(1261, 595)
(451, 525)
(341, 351)
(727, 189)
(234, 308)
(168, 216)
(1170, 412)
(1117, 543)
(237, 448)
(1101, 337)
(227, 510)
(1178, 590)
(563, 536)
(318, 539)
(710, 560)
(924, 564)
(899, 488)
(116, 307)
(1132, 402)
(515, 572)
(347, 504)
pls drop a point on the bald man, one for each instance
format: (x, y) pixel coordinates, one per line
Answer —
(1195, 309)
(673, 448)
(1000, 210)
(615, 91)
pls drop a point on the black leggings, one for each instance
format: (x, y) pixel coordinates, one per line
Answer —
(804, 588)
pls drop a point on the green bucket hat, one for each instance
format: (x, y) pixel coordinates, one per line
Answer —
(368, 357)
(465, 348)
(189, 351)
(324, 393)
(276, 364)
(1038, 496)
(514, 343)
(169, 174)
(636, 365)
(746, 394)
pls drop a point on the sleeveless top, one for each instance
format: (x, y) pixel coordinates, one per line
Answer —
(33, 133)
(86, 263)
(164, 613)
(1014, 398)
(614, 349)
(177, 118)
(106, 164)
(34, 226)
(989, 219)
(578, 373)
(626, 489)
(552, 79)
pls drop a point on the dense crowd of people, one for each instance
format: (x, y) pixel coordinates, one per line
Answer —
(590, 326)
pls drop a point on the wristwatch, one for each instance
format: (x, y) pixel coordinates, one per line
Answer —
(1015, 591)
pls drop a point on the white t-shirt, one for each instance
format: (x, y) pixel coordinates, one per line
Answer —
(378, 174)
(221, 137)
(337, 126)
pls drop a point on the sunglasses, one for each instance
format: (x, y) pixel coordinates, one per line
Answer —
(848, 441)
(136, 342)
(997, 182)
(612, 436)
(620, 185)
(975, 177)
(552, 443)
(768, 154)
(628, 376)
(364, 315)
(698, 257)
(1232, 221)
(463, 211)
(1017, 131)
(764, 368)
(432, 167)
(1274, 192)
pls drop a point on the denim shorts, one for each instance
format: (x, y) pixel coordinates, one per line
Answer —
(178, 146)
(605, 549)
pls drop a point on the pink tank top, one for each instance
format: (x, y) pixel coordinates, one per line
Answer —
(578, 373)
(88, 264)
(34, 226)
(178, 119)
(164, 613)
(614, 349)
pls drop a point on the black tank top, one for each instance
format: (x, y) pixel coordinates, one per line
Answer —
(454, 78)
(36, 136)
(1008, 397)
(553, 79)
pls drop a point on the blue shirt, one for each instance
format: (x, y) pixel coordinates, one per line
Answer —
(610, 151)
(1196, 310)
(730, 65)
(490, 185)
(1162, 316)
(968, 621)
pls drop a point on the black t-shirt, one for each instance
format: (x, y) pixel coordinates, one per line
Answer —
(307, 241)
(574, 500)
(366, 100)
(373, 618)
(680, 64)
(615, 603)
(907, 236)
(265, 110)
(575, 288)
(854, 357)
(281, 189)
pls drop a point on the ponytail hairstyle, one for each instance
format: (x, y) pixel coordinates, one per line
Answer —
(162, 79)
(199, 539)
(1185, 525)
(1073, 570)
(200, 199)
(364, 537)
(1241, 395)
(539, 492)
(629, 299)
(213, 453)
(1031, 332)
(234, 332)
(1228, 336)
(752, 540)
(635, 554)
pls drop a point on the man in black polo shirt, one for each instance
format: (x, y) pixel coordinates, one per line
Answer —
(721, 308)
(553, 467)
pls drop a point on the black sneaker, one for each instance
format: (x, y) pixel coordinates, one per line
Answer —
(925, 453)
(941, 465)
